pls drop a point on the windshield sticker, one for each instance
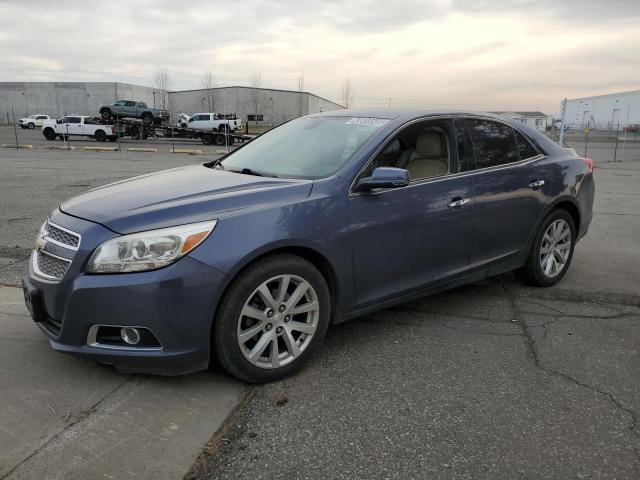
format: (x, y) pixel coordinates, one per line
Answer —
(369, 122)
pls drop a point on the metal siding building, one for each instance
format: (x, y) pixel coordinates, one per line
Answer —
(273, 106)
(59, 98)
(604, 112)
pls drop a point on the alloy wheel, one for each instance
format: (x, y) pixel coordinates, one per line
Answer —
(278, 321)
(555, 248)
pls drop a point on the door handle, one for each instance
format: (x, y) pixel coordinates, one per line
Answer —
(536, 184)
(458, 202)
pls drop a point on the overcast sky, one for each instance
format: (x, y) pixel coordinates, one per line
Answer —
(476, 54)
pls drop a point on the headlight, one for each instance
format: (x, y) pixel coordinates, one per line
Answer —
(148, 250)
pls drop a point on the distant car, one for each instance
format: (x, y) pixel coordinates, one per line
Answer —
(248, 259)
(133, 109)
(183, 120)
(33, 121)
(79, 126)
(215, 121)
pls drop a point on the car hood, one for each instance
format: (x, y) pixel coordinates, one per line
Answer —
(182, 195)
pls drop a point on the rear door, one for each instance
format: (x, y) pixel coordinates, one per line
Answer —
(508, 195)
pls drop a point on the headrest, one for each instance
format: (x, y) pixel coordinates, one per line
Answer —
(431, 144)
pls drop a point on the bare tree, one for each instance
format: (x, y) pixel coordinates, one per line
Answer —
(255, 80)
(300, 93)
(208, 81)
(162, 82)
(347, 93)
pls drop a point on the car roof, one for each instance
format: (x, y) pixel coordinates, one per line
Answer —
(404, 114)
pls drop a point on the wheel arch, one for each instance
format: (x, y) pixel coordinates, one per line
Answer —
(570, 205)
(312, 255)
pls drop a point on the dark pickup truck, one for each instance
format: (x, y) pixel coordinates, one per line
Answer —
(132, 109)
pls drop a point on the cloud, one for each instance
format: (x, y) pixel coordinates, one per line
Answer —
(464, 53)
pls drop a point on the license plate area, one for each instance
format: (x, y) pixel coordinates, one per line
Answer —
(33, 301)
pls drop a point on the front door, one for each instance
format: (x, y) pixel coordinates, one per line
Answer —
(409, 237)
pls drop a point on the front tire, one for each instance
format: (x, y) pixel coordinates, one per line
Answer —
(147, 119)
(31, 126)
(272, 318)
(552, 250)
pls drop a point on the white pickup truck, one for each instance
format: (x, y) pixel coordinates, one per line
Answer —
(215, 121)
(78, 125)
(33, 121)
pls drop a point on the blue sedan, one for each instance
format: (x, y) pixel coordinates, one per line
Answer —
(247, 260)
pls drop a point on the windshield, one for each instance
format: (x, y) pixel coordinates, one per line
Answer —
(309, 147)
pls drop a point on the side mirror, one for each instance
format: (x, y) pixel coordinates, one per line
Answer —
(59, 121)
(384, 177)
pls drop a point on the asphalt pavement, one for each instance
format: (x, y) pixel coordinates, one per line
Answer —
(492, 380)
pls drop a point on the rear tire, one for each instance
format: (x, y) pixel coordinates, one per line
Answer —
(49, 134)
(218, 139)
(277, 325)
(106, 114)
(100, 136)
(147, 119)
(552, 250)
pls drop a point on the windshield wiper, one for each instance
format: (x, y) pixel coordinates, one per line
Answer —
(248, 171)
(217, 163)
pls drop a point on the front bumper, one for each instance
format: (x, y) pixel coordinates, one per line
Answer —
(175, 303)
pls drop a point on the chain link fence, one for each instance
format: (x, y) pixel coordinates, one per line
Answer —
(603, 142)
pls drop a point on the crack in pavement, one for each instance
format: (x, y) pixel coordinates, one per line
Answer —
(532, 349)
(80, 418)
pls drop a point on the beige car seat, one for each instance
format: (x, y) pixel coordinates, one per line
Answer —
(430, 158)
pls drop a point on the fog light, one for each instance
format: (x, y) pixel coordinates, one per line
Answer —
(130, 335)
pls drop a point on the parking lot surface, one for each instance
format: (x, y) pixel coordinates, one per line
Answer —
(64, 418)
(491, 380)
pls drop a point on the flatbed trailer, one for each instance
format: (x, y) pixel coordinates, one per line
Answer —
(136, 129)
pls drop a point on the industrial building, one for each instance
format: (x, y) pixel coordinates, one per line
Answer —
(260, 106)
(59, 98)
(605, 112)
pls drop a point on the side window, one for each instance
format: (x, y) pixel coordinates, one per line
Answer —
(131, 104)
(41, 117)
(73, 119)
(426, 149)
(119, 103)
(494, 143)
(525, 147)
(142, 105)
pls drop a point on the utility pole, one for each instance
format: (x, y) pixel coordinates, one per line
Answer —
(563, 114)
(15, 131)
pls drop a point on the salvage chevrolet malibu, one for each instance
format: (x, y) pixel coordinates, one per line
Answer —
(246, 261)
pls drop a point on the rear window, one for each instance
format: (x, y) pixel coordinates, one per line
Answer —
(494, 143)
(524, 147)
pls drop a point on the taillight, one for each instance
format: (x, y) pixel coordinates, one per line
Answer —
(589, 163)
(114, 130)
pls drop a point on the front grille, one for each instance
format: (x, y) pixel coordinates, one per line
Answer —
(62, 236)
(52, 266)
